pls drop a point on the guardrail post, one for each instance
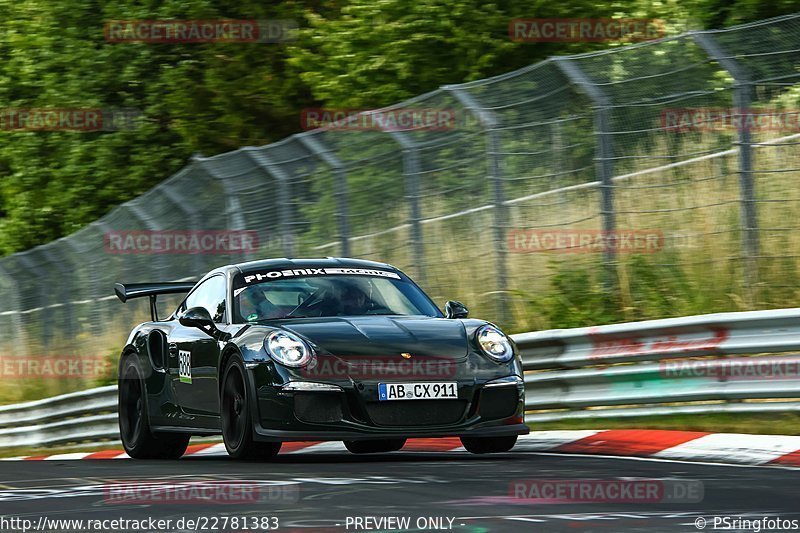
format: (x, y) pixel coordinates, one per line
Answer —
(340, 188)
(603, 162)
(742, 97)
(490, 123)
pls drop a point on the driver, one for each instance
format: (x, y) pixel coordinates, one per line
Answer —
(254, 306)
(354, 301)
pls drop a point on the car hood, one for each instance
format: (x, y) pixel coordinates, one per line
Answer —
(389, 336)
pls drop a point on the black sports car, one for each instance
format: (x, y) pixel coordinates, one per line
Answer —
(314, 349)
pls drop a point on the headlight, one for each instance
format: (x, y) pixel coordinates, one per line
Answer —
(287, 349)
(494, 343)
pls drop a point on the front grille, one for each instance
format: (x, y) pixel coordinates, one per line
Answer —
(416, 412)
(498, 402)
(318, 407)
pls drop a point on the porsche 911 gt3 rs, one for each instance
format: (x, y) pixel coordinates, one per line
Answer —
(313, 350)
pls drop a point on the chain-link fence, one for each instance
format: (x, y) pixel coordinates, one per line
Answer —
(562, 186)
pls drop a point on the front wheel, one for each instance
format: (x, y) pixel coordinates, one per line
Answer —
(237, 426)
(134, 426)
(488, 444)
(374, 446)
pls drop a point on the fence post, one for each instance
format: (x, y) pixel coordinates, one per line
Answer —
(161, 261)
(233, 210)
(284, 199)
(490, 123)
(340, 187)
(43, 296)
(191, 214)
(13, 306)
(411, 175)
(95, 291)
(742, 89)
(604, 163)
(65, 290)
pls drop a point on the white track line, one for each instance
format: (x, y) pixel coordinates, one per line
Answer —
(740, 448)
(67, 456)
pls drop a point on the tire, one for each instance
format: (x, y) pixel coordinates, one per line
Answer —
(374, 446)
(134, 424)
(488, 444)
(237, 424)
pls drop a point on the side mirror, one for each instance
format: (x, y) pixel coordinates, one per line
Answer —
(198, 317)
(453, 309)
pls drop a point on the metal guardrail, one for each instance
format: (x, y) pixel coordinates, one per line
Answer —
(76, 417)
(688, 365)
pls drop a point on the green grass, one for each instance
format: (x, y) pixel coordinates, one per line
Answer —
(75, 448)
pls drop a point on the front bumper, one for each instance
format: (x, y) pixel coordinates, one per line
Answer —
(354, 412)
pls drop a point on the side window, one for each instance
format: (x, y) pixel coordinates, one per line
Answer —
(210, 295)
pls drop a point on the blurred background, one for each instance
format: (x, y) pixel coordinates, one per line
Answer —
(569, 138)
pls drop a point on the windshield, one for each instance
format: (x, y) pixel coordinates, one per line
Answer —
(323, 296)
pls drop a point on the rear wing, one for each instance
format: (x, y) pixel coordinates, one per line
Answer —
(137, 290)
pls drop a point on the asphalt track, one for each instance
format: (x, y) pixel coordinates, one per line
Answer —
(316, 492)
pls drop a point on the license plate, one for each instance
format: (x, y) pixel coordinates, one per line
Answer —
(418, 391)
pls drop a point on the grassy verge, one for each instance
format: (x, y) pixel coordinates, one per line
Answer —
(85, 447)
(764, 424)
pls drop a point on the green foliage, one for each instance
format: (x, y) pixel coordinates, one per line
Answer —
(649, 288)
(212, 98)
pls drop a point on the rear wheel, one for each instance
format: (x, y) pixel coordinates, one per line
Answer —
(237, 426)
(488, 444)
(134, 427)
(374, 446)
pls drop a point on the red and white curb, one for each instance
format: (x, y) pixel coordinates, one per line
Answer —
(736, 448)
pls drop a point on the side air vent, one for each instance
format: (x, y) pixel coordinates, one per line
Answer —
(157, 348)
